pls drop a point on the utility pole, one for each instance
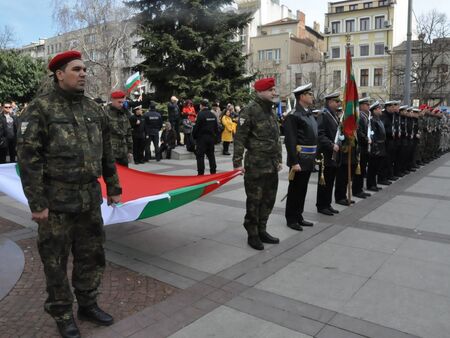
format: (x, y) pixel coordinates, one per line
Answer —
(407, 96)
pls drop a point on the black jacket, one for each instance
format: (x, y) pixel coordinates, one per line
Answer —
(206, 125)
(327, 128)
(138, 128)
(390, 127)
(378, 146)
(153, 122)
(362, 131)
(300, 128)
(173, 111)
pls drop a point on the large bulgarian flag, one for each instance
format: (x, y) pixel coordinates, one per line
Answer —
(144, 194)
(133, 81)
(350, 102)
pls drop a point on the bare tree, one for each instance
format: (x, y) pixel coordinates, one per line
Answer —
(430, 59)
(101, 29)
(7, 37)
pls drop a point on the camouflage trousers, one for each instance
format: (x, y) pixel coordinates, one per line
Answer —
(83, 234)
(261, 191)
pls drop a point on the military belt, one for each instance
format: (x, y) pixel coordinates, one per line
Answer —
(301, 149)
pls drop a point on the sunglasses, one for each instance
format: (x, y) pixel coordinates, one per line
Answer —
(7, 107)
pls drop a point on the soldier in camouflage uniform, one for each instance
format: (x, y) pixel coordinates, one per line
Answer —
(259, 134)
(64, 146)
(121, 131)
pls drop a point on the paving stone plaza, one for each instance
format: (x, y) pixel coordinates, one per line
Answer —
(378, 269)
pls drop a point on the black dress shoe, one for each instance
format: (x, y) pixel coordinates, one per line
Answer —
(373, 188)
(343, 202)
(255, 242)
(327, 212)
(295, 226)
(393, 178)
(95, 315)
(412, 169)
(265, 237)
(68, 328)
(385, 182)
(360, 195)
(305, 223)
(367, 194)
(333, 210)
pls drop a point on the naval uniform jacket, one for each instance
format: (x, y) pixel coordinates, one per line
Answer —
(300, 129)
(328, 123)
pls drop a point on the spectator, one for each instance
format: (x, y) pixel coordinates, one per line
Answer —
(9, 122)
(174, 117)
(187, 131)
(189, 111)
(229, 129)
(168, 140)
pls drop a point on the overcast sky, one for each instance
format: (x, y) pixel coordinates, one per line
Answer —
(32, 19)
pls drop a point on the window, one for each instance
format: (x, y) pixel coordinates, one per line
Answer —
(335, 27)
(349, 26)
(364, 78)
(336, 79)
(298, 79)
(53, 49)
(261, 55)
(339, 9)
(353, 7)
(379, 48)
(367, 5)
(48, 49)
(383, 3)
(364, 50)
(269, 54)
(364, 24)
(379, 21)
(335, 52)
(378, 77)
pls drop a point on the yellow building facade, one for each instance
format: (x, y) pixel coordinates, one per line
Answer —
(371, 28)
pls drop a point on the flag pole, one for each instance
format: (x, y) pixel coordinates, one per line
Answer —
(349, 157)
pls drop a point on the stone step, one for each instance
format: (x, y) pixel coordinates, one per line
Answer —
(180, 153)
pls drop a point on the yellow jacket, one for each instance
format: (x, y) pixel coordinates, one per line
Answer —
(229, 128)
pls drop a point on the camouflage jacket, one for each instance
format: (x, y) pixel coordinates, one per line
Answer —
(259, 133)
(63, 147)
(121, 132)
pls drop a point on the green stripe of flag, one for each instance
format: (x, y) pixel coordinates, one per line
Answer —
(178, 198)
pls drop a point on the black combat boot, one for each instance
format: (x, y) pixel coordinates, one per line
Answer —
(68, 328)
(255, 242)
(265, 237)
(95, 315)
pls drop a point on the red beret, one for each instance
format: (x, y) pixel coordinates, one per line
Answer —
(118, 94)
(63, 58)
(423, 106)
(264, 84)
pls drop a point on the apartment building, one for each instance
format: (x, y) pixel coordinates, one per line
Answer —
(281, 46)
(263, 12)
(371, 28)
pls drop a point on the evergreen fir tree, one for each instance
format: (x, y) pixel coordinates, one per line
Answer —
(190, 49)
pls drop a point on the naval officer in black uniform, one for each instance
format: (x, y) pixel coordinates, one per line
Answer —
(300, 130)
